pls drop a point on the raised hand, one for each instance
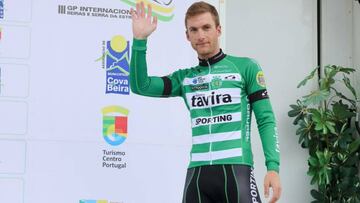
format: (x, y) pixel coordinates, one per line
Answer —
(142, 24)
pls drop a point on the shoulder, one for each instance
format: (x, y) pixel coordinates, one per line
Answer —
(184, 72)
(244, 61)
(244, 64)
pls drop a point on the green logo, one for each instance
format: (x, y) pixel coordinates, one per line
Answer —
(216, 82)
(163, 9)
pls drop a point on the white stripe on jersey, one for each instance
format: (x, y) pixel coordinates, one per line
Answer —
(207, 78)
(215, 155)
(216, 137)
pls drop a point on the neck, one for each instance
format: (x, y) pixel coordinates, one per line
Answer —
(211, 60)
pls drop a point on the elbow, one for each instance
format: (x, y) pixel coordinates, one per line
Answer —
(134, 89)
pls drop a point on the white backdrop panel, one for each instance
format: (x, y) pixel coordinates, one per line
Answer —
(281, 36)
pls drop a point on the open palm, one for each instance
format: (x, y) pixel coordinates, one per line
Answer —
(143, 24)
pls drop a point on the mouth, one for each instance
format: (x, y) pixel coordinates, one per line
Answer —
(202, 44)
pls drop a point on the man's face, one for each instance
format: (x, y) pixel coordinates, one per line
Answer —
(203, 35)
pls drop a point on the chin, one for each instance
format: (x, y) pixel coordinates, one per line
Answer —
(203, 52)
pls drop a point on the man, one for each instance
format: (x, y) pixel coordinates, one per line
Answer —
(220, 92)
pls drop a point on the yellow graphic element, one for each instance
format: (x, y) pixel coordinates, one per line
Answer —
(115, 109)
(260, 78)
(110, 130)
(118, 43)
(156, 7)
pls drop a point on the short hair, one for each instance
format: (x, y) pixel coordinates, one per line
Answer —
(200, 8)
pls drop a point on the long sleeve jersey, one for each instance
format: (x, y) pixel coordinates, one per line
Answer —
(221, 93)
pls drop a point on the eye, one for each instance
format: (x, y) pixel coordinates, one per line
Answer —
(192, 29)
(207, 27)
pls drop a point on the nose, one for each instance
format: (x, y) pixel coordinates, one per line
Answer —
(201, 35)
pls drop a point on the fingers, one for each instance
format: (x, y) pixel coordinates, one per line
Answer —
(155, 21)
(276, 193)
(276, 190)
(138, 9)
(142, 9)
(133, 14)
(266, 187)
(141, 12)
(149, 12)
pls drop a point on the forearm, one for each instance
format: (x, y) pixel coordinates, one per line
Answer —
(140, 82)
(268, 133)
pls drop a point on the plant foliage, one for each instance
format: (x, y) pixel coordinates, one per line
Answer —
(324, 120)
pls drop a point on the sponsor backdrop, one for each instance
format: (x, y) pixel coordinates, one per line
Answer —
(70, 128)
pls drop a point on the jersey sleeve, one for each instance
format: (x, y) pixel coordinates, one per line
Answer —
(265, 119)
(152, 86)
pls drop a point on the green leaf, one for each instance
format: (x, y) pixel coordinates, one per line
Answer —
(349, 86)
(316, 97)
(330, 125)
(351, 161)
(342, 111)
(313, 161)
(348, 172)
(332, 73)
(325, 83)
(339, 94)
(317, 201)
(354, 146)
(346, 70)
(309, 77)
(295, 112)
(317, 195)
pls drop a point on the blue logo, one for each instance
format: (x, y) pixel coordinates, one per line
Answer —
(117, 65)
(93, 201)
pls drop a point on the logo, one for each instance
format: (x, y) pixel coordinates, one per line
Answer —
(253, 188)
(97, 201)
(162, 9)
(200, 87)
(87, 11)
(264, 94)
(213, 99)
(260, 79)
(276, 136)
(1, 9)
(117, 65)
(230, 77)
(213, 120)
(115, 122)
(198, 80)
(216, 82)
(94, 201)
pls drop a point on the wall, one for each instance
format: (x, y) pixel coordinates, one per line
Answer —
(281, 35)
(356, 44)
(58, 60)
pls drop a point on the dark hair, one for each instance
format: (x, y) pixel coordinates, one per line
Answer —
(200, 8)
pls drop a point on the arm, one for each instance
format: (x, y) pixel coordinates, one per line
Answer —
(140, 82)
(265, 119)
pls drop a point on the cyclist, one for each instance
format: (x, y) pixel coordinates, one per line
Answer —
(220, 92)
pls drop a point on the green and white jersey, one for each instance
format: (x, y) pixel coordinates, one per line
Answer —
(220, 93)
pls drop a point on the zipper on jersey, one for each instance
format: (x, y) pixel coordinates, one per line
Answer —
(211, 114)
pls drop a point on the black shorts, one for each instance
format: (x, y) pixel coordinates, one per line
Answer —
(221, 184)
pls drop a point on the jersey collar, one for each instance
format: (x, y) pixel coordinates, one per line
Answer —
(216, 58)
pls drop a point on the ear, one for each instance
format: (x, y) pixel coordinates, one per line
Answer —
(187, 35)
(218, 29)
